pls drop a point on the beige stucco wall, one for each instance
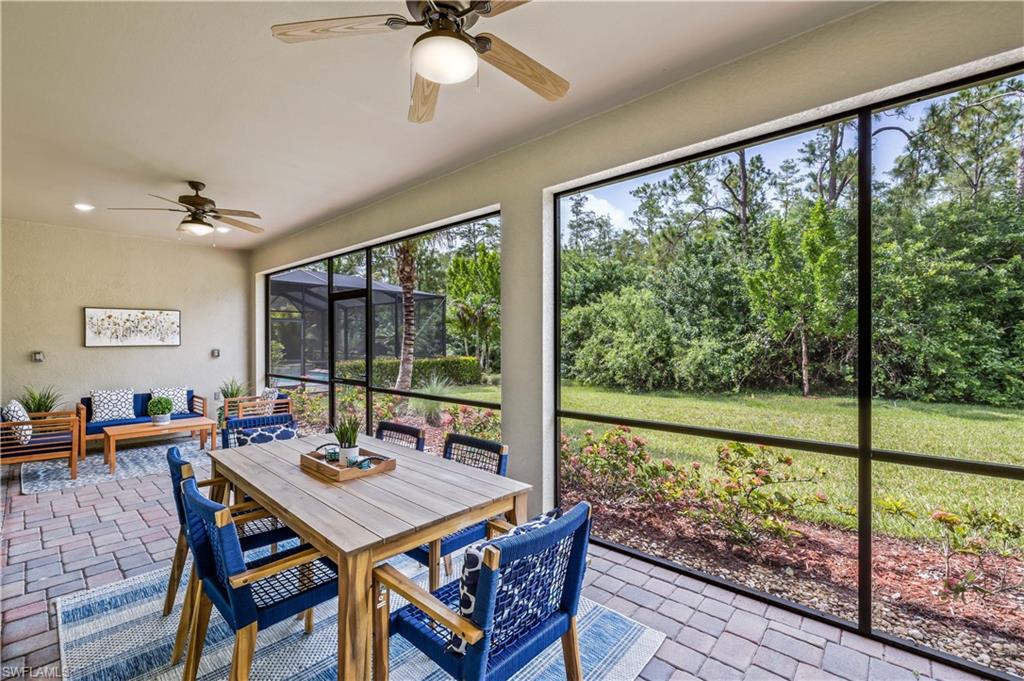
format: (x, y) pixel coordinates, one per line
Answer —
(50, 273)
(874, 49)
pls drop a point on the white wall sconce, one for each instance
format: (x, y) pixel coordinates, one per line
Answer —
(215, 353)
(38, 356)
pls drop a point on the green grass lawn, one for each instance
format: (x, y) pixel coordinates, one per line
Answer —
(964, 431)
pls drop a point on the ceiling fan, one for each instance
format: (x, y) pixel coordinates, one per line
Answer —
(199, 208)
(446, 53)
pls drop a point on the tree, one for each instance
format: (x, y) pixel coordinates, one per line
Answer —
(474, 300)
(831, 163)
(588, 231)
(798, 292)
(405, 266)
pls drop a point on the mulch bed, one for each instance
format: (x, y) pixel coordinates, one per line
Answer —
(819, 569)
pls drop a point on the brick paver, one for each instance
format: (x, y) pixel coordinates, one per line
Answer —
(723, 635)
(61, 542)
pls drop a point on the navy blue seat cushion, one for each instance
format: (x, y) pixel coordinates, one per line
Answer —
(283, 595)
(141, 406)
(40, 444)
(97, 428)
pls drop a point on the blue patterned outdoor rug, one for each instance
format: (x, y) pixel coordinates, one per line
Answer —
(116, 633)
(132, 462)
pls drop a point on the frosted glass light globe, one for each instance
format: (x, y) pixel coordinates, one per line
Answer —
(441, 57)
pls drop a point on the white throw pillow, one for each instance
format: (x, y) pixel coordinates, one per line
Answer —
(15, 411)
(178, 395)
(268, 395)
(112, 405)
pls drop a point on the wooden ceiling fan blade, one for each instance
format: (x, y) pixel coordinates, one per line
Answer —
(303, 31)
(176, 203)
(173, 210)
(424, 100)
(502, 6)
(238, 223)
(527, 71)
(237, 213)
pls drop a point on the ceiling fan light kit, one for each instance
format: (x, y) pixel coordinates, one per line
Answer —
(446, 53)
(195, 226)
(444, 57)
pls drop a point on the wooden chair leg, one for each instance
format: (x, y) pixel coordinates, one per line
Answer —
(241, 659)
(309, 620)
(185, 624)
(449, 566)
(571, 652)
(435, 564)
(198, 637)
(381, 612)
(177, 567)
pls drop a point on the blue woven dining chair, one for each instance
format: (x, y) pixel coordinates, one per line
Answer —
(250, 596)
(486, 455)
(402, 434)
(256, 530)
(518, 594)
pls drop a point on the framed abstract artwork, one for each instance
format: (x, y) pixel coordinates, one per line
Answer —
(107, 327)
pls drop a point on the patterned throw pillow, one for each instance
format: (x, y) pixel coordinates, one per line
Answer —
(263, 434)
(178, 395)
(15, 411)
(112, 405)
(474, 559)
(268, 395)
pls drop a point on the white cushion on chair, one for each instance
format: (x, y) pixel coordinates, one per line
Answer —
(15, 411)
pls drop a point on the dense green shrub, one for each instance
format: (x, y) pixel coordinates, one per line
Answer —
(457, 370)
(624, 340)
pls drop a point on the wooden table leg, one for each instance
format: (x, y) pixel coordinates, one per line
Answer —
(517, 515)
(202, 438)
(355, 615)
(213, 437)
(110, 452)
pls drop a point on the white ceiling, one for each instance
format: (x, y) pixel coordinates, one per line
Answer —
(106, 102)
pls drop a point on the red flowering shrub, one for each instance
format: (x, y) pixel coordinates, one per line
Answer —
(483, 423)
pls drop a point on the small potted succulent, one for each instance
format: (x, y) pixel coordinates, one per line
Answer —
(160, 409)
(346, 431)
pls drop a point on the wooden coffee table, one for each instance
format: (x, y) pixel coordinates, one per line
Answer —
(113, 434)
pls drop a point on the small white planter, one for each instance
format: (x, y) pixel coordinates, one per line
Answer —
(161, 419)
(350, 455)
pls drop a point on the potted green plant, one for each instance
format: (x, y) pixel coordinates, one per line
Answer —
(228, 389)
(160, 409)
(42, 400)
(346, 431)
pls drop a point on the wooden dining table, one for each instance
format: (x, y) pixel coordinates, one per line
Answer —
(358, 523)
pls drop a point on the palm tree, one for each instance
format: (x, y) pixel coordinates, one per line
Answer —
(405, 261)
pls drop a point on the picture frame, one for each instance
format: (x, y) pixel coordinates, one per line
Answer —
(116, 327)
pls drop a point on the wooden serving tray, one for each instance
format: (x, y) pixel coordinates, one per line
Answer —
(316, 463)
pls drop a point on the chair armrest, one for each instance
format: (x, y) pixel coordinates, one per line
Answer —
(245, 507)
(198, 400)
(211, 481)
(428, 603)
(496, 526)
(271, 569)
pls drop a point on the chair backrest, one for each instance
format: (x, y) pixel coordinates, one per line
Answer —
(539, 576)
(213, 539)
(474, 451)
(402, 434)
(240, 431)
(181, 470)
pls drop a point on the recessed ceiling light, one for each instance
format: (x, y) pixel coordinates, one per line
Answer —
(84, 207)
(222, 229)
